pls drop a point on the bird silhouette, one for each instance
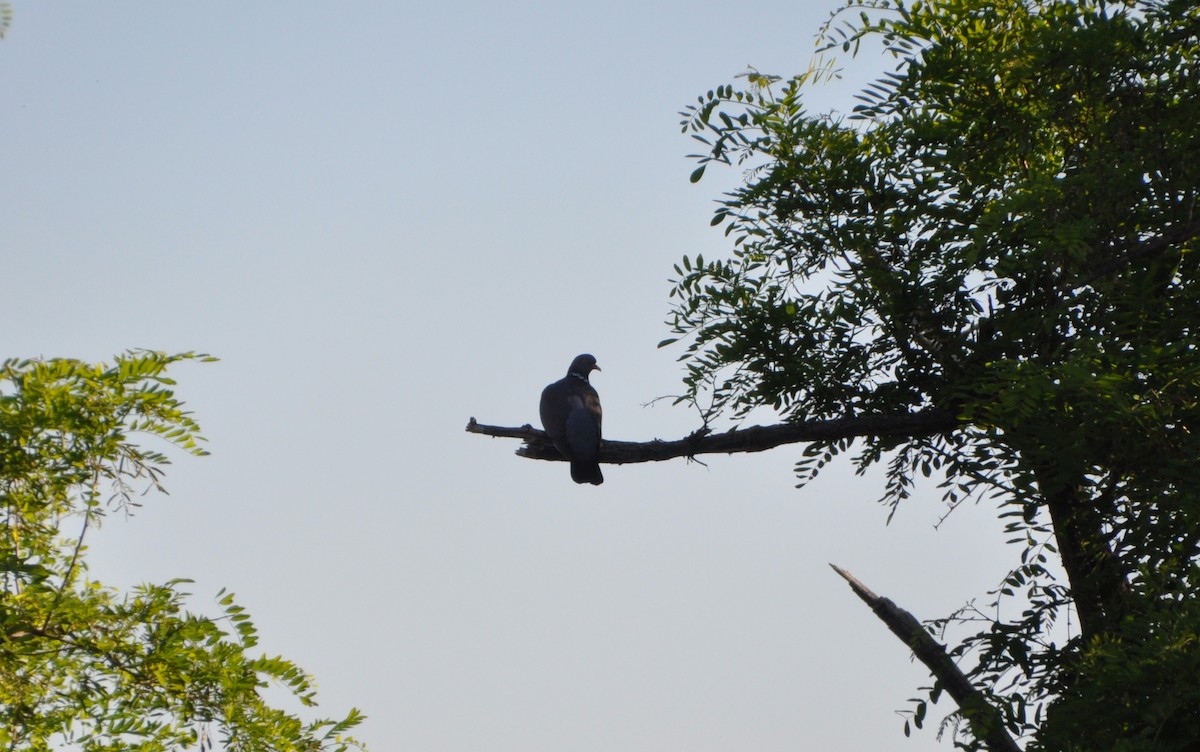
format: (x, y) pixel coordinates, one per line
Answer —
(570, 410)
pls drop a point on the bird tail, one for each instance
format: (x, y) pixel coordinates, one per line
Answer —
(586, 472)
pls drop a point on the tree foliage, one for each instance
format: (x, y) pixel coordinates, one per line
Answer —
(1005, 228)
(83, 666)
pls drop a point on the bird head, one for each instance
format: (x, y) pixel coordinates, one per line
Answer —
(582, 366)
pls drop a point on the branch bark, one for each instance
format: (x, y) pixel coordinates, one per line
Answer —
(984, 718)
(537, 445)
(1098, 581)
(1121, 258)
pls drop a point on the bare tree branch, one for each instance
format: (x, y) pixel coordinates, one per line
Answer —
(753, 439)
(983, 717)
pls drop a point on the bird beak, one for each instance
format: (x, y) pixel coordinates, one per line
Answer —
(598, 368)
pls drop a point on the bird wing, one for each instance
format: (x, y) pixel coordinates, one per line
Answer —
(582, 431)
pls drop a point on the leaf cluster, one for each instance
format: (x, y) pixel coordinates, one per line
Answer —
(1004, 226)
(83, 666)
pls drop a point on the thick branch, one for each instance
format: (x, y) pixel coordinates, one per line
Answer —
(754, 439)
(1098, 583)
(983, 717)
(1122, 258)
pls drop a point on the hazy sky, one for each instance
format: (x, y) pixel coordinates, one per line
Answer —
(386, 218)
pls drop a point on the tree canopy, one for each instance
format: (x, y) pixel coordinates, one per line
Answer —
(1002, 230)
(83, 666)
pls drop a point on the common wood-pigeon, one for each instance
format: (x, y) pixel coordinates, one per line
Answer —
(570, 410)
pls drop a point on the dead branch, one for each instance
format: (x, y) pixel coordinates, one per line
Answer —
(984, 718)
(537, 445)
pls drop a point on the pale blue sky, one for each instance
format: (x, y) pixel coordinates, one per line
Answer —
(386, 218)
